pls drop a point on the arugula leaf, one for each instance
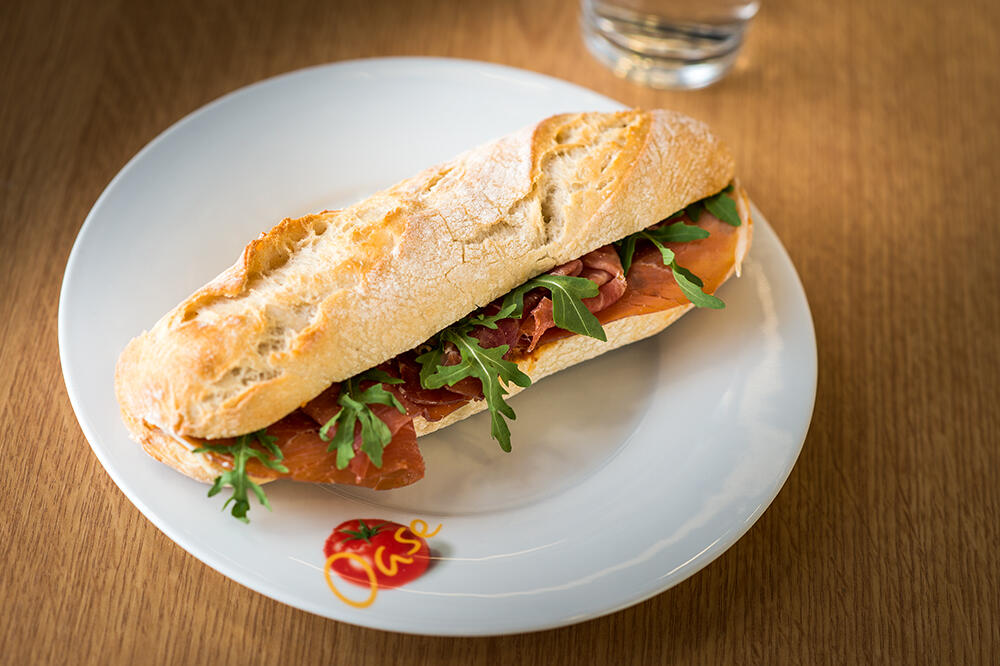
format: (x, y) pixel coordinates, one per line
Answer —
(626, 249)
(691, 285)
(509, 308)
(678, 232)
(375, 434)
(568, 310)
(343, 439)
(723, 208)
(237, 477)
(691, 277)
(430, 363)
(486, 365)
(666, 252)
(380, 376)
(694, 210)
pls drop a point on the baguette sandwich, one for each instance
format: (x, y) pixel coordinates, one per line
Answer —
(339, 338)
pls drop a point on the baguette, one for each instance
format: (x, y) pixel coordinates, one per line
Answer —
(318, 299)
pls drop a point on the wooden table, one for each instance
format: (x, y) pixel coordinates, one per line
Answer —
(869, 133)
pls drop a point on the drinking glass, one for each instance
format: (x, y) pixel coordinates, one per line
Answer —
(679, 44)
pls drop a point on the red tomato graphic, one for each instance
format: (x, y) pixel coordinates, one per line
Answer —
(394, 554)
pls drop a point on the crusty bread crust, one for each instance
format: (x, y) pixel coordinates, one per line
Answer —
(307, 303)
(175, 450)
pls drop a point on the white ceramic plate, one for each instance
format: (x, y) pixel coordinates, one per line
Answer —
(629, 473)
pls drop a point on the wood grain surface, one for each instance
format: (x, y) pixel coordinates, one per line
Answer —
(869, 134)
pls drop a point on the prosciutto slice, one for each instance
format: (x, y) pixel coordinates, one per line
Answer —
(307, 458)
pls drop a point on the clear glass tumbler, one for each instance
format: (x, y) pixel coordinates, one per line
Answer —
(680, 44)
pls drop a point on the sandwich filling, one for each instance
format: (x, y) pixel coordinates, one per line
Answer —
(361, 431)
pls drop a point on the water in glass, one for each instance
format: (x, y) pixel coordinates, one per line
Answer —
(667, 43)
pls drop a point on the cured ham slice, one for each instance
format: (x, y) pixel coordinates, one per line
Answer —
(307, 458)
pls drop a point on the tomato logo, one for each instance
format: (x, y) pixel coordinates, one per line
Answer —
(377, 554)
